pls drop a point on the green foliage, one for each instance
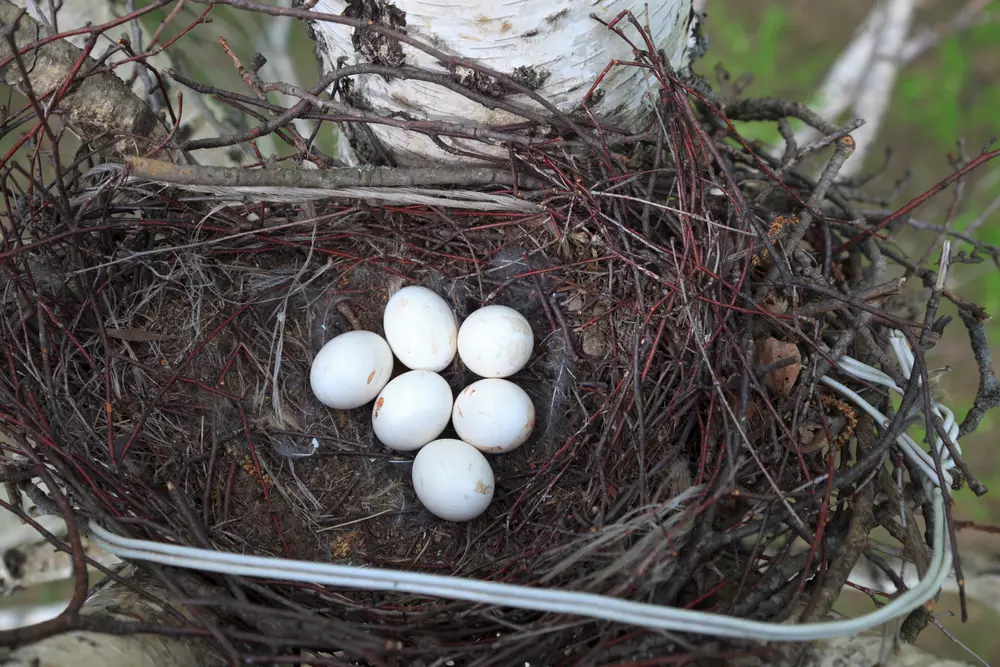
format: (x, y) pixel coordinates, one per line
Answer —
(764, 48)
(756, 50)
(986, 34)
(985, 290)
(930, 98)
(938, 98)
(951, 92)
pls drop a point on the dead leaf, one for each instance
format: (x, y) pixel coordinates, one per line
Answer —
(812, 435)
(574, 303)
(771, 350)
(777, 305)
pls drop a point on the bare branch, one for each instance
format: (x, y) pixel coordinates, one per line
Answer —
(100, 104)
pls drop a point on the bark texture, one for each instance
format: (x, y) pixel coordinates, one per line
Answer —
(555, 49)
(39, 563)
(92, 649)
(102, 104)
(859, 651)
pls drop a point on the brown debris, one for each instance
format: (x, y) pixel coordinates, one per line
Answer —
(782, 380)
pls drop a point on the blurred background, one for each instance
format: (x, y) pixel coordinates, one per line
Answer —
(942, 102)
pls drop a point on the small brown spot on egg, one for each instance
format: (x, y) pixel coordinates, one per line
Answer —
(378, 405)
(505, 26)
(458, 409)
(371, 377)
(482, 488)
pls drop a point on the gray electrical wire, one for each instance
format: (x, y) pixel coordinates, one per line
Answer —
(538, 599)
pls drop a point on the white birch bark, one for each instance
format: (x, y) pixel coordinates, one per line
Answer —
(554, 40)
(92, 649)
(865, 650)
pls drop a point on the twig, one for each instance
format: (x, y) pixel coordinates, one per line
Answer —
(988, 393)
(854, 543)
(374, 177)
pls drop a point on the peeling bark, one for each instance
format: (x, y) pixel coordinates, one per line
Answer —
(28, 565)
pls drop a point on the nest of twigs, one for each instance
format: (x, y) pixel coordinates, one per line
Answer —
(686, 289)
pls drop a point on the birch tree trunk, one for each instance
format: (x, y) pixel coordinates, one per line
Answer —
(554, 47)
(866, 650)
(92, 649)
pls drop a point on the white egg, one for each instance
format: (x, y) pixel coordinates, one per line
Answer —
(421, 329)
(453, 480)
(412, 410)
(351, 369)
(494, 416)
(495, 341)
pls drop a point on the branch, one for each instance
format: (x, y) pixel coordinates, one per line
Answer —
(988, 394)
(380, 177)
(861, 524)
(876, 88)
(97, 104)
(39, 563)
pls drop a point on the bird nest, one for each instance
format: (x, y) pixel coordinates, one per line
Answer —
(687, 290)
